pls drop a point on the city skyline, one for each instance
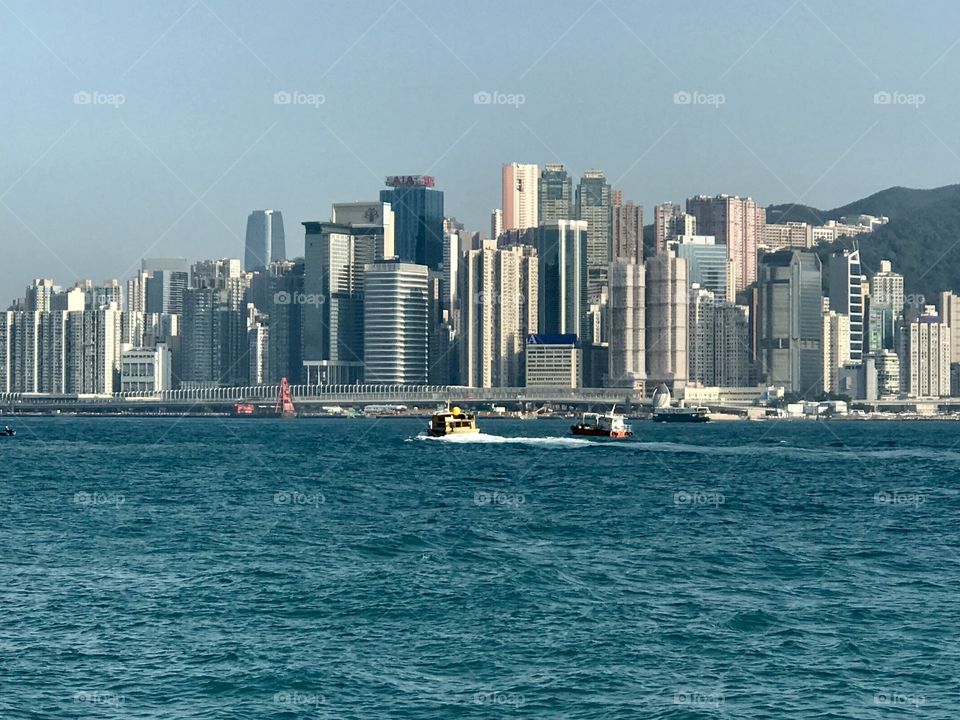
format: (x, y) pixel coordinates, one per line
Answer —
(167, 136)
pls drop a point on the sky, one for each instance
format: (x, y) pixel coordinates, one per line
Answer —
(136, 129)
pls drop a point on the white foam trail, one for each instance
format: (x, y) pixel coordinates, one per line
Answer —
(485, 439)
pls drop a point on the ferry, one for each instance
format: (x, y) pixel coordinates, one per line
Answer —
(608, 425)
(452, 422)
(681, 414)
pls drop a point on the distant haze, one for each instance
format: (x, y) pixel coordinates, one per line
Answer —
(135, 129)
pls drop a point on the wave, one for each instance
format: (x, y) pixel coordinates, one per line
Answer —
(485, 439)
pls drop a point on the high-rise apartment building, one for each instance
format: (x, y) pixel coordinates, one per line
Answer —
(627, 232)
(595, 207)
(666, 321)
(735, 222)
(418, 219)
(718, 350)
(835, 345)
(929, 356)
(395, 332)
(520, 196)
(664, 224)
(265, 241)
(950, 312)
(496, 223)
(626, 336)
(497, 286)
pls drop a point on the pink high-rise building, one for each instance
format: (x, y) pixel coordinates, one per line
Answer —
(520, 196)
(735, 222)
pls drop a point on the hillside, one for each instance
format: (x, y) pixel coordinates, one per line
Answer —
(922, 239)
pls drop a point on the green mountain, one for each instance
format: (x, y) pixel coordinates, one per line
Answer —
(922, 239)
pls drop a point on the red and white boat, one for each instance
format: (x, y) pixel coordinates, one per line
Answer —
(608, 425)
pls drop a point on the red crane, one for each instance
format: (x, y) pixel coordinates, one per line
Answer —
(284, 407)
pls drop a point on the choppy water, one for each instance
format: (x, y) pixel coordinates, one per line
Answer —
(209, 568)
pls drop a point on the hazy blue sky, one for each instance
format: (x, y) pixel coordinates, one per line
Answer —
(86, 190)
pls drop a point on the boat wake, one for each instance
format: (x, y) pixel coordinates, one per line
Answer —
(485, 439)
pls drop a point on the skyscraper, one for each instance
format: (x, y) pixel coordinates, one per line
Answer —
(627, 232)
(735, 222)
(561, 248)
(664, 224)
(929, 356)
(835, 345)
(335, 255)
(627, 318)
(496, 223)
(789, 323)
(555, 195)
(594, 205)
(418, 219)
(707, 264)
(847, 297)
(395, 332)
(375, 218)
(666, 323)
(496, 284)
(167, 280)
(520, 192)
(265, 241)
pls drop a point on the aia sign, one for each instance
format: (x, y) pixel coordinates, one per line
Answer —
(410, 181)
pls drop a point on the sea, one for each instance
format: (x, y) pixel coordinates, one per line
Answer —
(203, 568)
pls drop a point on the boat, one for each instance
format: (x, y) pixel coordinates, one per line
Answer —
(681, 414)
(663, 411)
(608, 425)
(8, 431)
(452, 422)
